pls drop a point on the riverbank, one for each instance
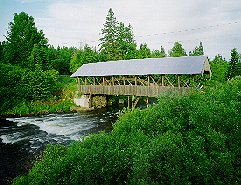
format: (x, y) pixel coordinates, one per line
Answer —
(61, 103)
(37, 108)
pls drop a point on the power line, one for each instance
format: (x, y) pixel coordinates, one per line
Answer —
(191, 29)
(174, 32)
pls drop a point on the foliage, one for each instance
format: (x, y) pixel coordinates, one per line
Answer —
(144, 51)
(29, 68)
(197, 51)
(219, 68)
(235, 64)
(21, 38)
(126, 42)
(117, 41)
(84, 56)
(158, 53)
(177, 50)
(109, 45)
(10, 92)
(185, 139)
(2, 44)
(53, 104)
(59, 59)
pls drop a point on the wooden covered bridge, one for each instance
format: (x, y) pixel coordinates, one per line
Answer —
(147, 77)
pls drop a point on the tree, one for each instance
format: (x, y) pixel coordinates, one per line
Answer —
(163, 53)
(144, 51)
(177, 50)
(219, 67)
(21, 39)
(37, 58)
(59, 59)
(197, 51)
(83, 56)
(2, 44)
(234, 65)
(158, 53)
(126, 42)
(118, 40)
(108, 43)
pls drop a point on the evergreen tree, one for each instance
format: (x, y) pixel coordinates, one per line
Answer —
(126, 42)
(21, 38)
(108, 43)
(163, 53)
(118, 40)
(234, 65)
(177, 50)
(197, 51)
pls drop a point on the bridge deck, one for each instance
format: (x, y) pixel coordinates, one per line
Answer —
(150, 91)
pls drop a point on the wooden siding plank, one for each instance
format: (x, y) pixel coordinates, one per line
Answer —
(129, 90)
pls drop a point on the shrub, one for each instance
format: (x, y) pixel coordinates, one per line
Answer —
(184, 139)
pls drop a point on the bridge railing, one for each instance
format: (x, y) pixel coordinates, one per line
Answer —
(150, 91)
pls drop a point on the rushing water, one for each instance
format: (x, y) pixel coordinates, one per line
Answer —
(22, 138)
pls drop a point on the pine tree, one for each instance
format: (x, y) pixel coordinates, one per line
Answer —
(234, 65)
(126, 42)
(177, 50)
(118, 40)
(108, 43)
(163, 53)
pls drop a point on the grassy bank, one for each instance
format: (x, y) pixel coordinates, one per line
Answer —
(62, 102)
(188, 139)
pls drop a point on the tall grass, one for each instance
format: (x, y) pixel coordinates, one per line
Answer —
(188, 139)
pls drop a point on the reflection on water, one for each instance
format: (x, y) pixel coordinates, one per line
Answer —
(21, 138)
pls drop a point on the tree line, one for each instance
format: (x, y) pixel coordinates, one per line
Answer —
(30, 66)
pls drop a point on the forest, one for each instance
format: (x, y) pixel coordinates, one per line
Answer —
(192, 138)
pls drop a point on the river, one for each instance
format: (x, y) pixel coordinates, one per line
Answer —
(21, 139)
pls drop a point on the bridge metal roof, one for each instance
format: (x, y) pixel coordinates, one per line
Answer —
(147, 66)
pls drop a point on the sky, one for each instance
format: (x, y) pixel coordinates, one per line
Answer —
(216, 23)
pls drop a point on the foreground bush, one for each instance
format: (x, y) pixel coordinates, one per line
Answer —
(188, 139)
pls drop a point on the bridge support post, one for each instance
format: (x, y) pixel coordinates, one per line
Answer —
(128, 103)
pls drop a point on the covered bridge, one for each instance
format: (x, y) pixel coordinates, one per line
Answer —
(140, 77)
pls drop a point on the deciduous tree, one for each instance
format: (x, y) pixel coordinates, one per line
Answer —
(158, 53)
(219, 67)
(21, 38)
(177, 50)
(144, 51)
(198, 50)
(83, 56)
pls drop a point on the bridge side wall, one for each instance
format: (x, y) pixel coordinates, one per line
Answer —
(150, 91)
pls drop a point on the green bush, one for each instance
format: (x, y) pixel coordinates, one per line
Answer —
(185, 139)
